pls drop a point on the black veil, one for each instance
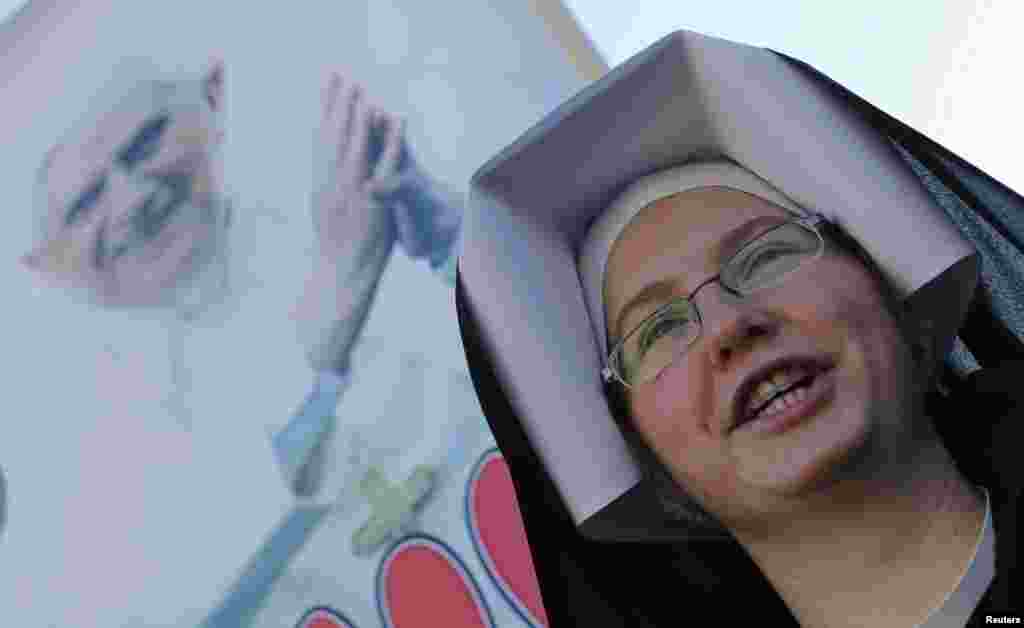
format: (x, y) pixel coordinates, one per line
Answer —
(664, 583)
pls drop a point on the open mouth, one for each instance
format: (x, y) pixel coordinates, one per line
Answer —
(144, 227)
(779, 389)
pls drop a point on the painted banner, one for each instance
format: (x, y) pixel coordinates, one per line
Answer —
(236, 393)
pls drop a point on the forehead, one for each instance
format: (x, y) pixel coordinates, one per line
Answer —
(90, 146)
(675, 235)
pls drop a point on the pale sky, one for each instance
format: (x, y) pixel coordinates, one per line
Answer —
(948, 72)
(944, 72)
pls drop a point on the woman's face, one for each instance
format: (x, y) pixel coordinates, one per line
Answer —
(829, 310)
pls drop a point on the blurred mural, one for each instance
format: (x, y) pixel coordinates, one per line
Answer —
(236, 391)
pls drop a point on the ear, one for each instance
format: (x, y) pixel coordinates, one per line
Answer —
(60, 256)
(213, 85)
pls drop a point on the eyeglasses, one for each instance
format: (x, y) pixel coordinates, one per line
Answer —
(665, 335)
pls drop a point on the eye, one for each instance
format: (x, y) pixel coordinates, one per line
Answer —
(85, 201)
(674, 322)
(763, 257)
(766, 263)
(145, 143)
(771, 256)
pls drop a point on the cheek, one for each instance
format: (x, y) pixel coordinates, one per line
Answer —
(677, 400)
(156, 267)
(883, 355)
(199, 131)
(193, 138)
(54, 224)
(186, 146)
(854, 325)
(676, 415)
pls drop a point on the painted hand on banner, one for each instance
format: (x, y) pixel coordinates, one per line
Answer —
(357, 147)
(359, 144)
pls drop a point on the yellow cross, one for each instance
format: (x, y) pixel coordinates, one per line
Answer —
(394, 506)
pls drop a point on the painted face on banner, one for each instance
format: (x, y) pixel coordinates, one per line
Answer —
(130, 201)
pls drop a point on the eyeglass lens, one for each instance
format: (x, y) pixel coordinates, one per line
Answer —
(665, 335)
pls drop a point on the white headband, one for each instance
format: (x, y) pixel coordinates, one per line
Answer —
(607, 228)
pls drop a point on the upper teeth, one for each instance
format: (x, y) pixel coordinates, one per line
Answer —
(775, 382)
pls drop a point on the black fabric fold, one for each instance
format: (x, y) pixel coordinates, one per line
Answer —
(585, 582)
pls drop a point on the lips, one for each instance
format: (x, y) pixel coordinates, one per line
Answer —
(815, 365)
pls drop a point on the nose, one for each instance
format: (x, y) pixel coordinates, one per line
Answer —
(125, 193)
(732, 325)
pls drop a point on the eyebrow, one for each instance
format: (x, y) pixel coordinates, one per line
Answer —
(143, 142)
(662, 290)
(85, 200)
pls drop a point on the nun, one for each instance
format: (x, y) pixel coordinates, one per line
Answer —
(748, 345)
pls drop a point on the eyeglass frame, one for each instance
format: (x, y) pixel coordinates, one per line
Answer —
(812, 221)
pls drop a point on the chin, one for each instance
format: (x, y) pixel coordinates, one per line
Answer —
(158, 276)
(144, 287)
(811, 456)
